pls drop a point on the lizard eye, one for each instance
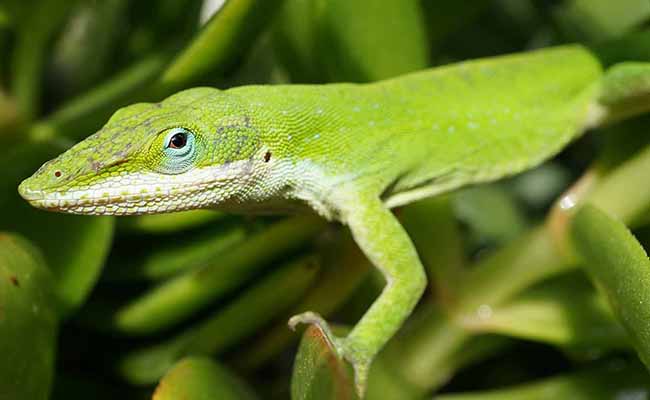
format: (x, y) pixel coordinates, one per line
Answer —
(177, 141)
(179, 150)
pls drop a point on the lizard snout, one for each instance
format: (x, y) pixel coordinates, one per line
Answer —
(26, 192)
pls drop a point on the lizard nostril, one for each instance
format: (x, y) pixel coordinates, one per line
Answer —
(57, 174)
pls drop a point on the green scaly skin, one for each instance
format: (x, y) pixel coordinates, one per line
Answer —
(349, 152)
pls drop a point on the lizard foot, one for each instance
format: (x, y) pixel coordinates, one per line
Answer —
(343, 347)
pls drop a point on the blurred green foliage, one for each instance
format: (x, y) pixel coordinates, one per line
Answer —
(194, 305)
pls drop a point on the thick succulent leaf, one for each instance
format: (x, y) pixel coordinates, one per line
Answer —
(227, 36)
(618, 380)
(5, 18)
(491, 213)
(28, 321)
(385, 384)
(342, 275)
(87, 112)
(363, 49)
(539, 187)
(29, 56)
(620, 267)
(531, 258)
(595, 20)
(430, 347)
(444, 17)
(200, 378)
(167, 223)
(82, 56)
(318, 372)
(565, 312)
(633, 46)
(294, 37)
(329, 36)
(435, 232)
(175, 299)
(9, 118)
(138, 258)
(75, 247)
(239, 319)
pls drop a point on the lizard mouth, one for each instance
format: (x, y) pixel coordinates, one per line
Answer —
(142, 193)
(32, 196)
(111, 199)
(114, 195)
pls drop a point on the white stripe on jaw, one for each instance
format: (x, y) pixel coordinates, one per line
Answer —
(149, 192)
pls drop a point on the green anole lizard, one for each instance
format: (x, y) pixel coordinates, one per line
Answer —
(349, 152)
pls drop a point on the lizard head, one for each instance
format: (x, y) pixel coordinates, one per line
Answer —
(198, 148)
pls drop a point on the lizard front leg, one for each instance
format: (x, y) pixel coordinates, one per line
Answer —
(388, 247)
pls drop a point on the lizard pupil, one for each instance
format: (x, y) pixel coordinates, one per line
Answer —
(178, 141)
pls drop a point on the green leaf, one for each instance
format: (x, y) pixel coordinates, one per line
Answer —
(87, 242)
(428, 349)
(619, 380)
(28, 321)
(175, 299)
(294, 39)
(342, 275)
(239, 319)
(9, 118)
(167, 223)
(227, 36)
(75, 247)
(363, 49)
(490, 212)
(620, 267)
(5, 18)
(138, 258)
(529, 259)
(594, 20)
(318, 372)
(633, 46)
(564, 312)
(82, 53)
(435, 232)
(200, 378)
(329, 36)
(540, 186)
(446, 16)
(87, 112)
(29, 56)
(385, 384)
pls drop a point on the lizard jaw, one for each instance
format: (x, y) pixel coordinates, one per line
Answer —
(144, 192)
(116, 198)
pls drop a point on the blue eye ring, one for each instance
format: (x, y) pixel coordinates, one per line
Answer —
(179, 149)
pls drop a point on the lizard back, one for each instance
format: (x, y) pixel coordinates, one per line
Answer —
(434, 130)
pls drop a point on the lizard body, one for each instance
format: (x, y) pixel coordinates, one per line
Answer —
(350, 152)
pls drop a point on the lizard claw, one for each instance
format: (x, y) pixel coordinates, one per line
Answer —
(339, 345)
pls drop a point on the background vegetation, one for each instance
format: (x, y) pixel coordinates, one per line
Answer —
(195, 304)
